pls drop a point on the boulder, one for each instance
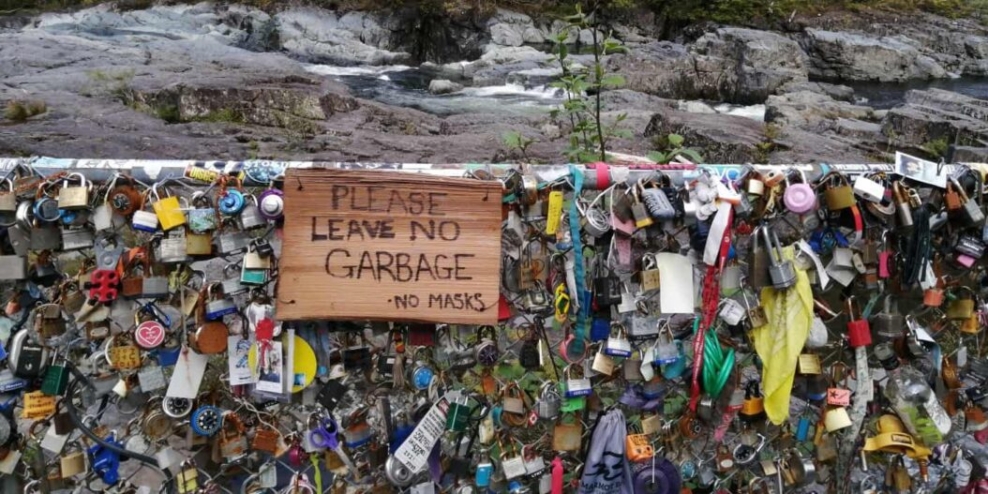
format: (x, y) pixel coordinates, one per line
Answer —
(838, 92)
(811, 111)
(730, 64)
(746, 65)
(936, 114)
(509, 28)
(444, 86)
(659, 68)
(723, 138)
(856, 57)
(325, 37)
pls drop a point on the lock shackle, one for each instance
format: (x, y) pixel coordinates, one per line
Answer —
(853, 311)
(958, 188)
(773, 246)
(82, 180)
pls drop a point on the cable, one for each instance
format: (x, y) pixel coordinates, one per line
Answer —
(77, 422)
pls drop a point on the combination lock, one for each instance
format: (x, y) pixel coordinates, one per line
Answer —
(207, 420)
(176, 408)
(398, 474)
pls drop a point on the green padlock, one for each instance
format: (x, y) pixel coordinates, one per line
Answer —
(458, 416)
(56, 379)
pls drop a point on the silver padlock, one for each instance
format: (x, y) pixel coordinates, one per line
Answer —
(577, 387)
(218, 306)
(76, 238)
(782, 271)
(45, 238)
(8, 199)
(232, 243)
(617, 343)
(155, 287)
(549, 403)
(13, 267)
(971, 211)
(173, 248)
(251, 216)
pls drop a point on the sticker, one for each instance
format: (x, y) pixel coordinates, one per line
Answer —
(304, 363)
(271, 372)
(149, 334)
(238, 350)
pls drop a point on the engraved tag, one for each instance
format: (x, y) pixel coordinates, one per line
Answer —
(809, 364)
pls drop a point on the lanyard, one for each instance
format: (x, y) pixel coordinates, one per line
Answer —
(711, 296)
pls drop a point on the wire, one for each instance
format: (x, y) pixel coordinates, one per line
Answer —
(77, 422)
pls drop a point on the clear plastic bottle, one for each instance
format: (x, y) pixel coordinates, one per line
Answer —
(913, 400)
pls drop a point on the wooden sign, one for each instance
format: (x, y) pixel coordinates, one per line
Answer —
(389, 246)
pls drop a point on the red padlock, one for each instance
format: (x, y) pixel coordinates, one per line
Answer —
(103, 284)
(858, 330)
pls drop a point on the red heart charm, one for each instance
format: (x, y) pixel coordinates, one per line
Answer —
(149, 334)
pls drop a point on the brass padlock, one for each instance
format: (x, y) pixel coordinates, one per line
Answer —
(567, 436)
(839, 194)
(961, 306)
(638, 209)
(74, 196)
(650, 274)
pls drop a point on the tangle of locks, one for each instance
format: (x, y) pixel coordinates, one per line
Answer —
(746, 329)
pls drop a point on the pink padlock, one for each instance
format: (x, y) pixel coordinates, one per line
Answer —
(800, 198)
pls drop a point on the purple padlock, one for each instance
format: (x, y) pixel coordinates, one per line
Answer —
(324, 435)
(271, 203)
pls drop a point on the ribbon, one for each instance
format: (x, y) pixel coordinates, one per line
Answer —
(711, 298)
(578, 268)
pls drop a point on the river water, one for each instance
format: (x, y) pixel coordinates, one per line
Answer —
(884, 95)
(404, 86)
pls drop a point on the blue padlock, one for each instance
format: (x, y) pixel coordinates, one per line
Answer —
(483, 475)
(803, 429)
(105, 462)
(232, 203)
(600, 329)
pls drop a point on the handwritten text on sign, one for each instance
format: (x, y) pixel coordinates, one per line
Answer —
(389, 246)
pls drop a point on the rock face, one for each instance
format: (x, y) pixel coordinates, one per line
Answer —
(325, 37)
(811, 111)
(730, 64)
(444, 86)
(856, 57)
(746, 66)
(939, 115)
(723, 139)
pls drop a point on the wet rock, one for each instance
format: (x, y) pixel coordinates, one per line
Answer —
(444, 86)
